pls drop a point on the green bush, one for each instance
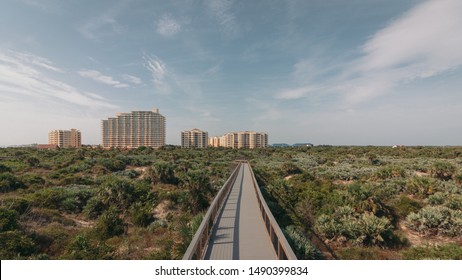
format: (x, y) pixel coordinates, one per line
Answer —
(436, 220)
(9, 182)
(141, 214)
(83, 247)
(15, 245)
(8, 219)
(93, 208)
(405, 205)
(301, 245)
(443, 170)
(110, 224)
(440, 252)
(361, 229)
(19, 204)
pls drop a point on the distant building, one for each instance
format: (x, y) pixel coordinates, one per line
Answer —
(133, 130)
(302, 145)
(280, 145)
(46, 147)
(194, 138)
(65, 138)
(242, 139)
(214, 141)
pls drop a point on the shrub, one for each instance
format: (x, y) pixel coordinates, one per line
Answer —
(110, 224)
(441, 252)
(116, 191)
(15, 245)
(361, 229)
(443, 170)
(8, 219)
(84, 248)
(405, 205)
(420, 186)
(435, 220)
(302, 246)
(141, 214)
(9, 182)
(93, 208)
(20, 205)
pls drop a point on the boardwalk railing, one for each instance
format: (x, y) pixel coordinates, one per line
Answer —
(200, 240)
(279, 241)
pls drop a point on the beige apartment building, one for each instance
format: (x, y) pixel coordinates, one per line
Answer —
(134, 129)
(194, 138)
(65, 138)
(242, 139)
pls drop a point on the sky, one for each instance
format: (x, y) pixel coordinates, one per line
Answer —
(357, 72)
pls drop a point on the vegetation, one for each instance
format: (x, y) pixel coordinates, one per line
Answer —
(332, 202)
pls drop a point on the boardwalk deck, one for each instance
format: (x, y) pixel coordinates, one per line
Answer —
(240, 233)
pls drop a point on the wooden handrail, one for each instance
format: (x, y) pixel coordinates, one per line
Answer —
(279, 241)
(196, 248)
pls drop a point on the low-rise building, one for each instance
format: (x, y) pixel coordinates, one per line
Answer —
(194, 138)
(65, 138)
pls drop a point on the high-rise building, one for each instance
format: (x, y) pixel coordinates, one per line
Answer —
(242, 139)
(194, 139)
(135, 129)
(65, 138)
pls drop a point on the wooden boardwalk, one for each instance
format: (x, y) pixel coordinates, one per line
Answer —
(240, 232)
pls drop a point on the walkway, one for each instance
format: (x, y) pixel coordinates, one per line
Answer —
(240, 232)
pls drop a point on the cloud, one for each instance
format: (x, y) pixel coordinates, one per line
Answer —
(97, 76)
(295, 93)
(20, 75)
(221, 11)
(105, 24)
(420, 44)
(158, 71)
(167, 26)
(132, 79)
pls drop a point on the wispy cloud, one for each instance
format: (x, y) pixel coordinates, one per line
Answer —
(20, 75)
(158, 71)
(132, 79)
(104, 79)
(221, 10)
(104, 24)
(296, 93)
(167, 26)
(38, 61)
(420, 44)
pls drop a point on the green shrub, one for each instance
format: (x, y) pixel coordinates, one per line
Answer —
(302, 246)
(19, 204)
(141, 214)
(437, 199)
(93, 208)
(440, 252)
(15, 245)
(361, 229)
(110, 224)
(83, 247)
(435, 220)
(9, 182)
(443, 170)
(8, 219)
(405, 205)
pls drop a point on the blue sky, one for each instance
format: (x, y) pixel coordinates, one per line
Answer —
(358, 72)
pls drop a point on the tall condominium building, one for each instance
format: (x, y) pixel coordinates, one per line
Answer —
(135, 129)
(194, 138)
(242, 139)
(65, 138)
